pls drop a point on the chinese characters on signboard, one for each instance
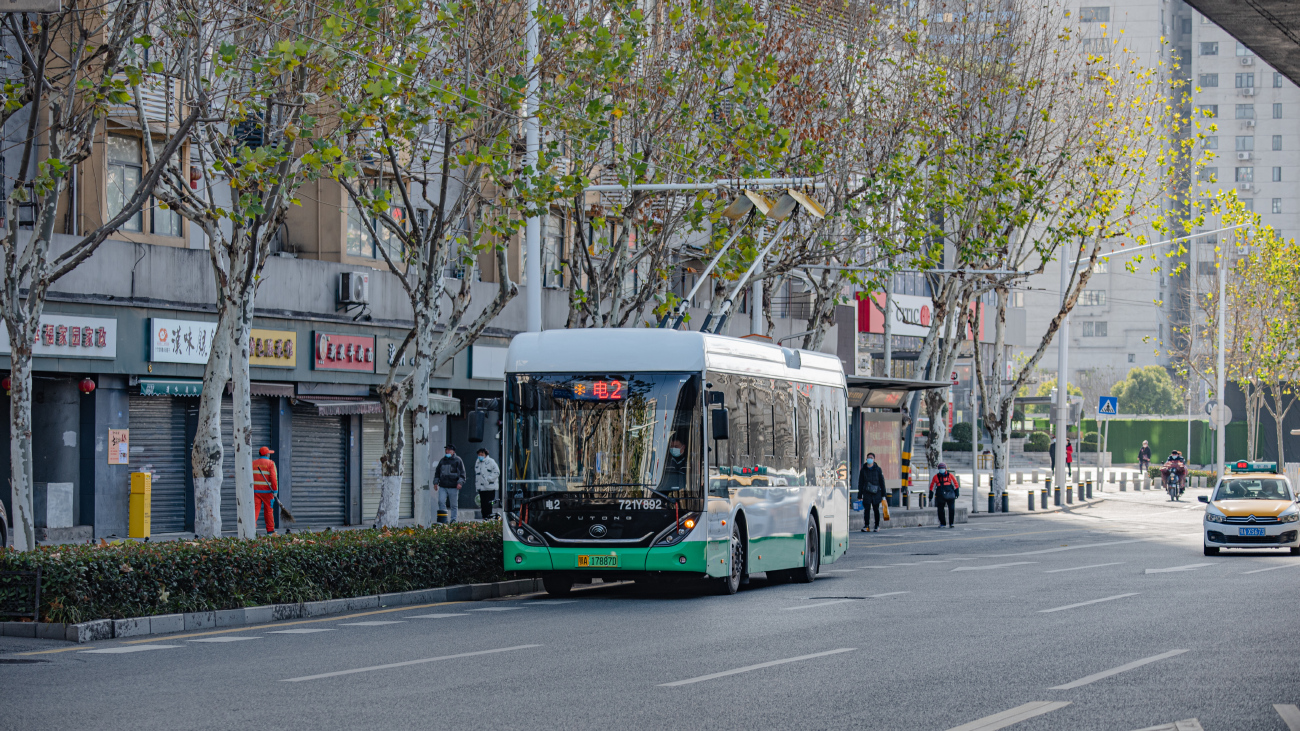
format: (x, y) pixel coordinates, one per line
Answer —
(337, 352)
(275, 348)
(71, 336)
(180, 341)
(119, 446)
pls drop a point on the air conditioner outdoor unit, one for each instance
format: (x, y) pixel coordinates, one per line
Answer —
(1250, 123)
(1246, 186)
(1243, 155)
(1248, 91)
(1247, 60)
(354, 288)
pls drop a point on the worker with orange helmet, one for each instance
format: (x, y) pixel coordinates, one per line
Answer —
(265, 488)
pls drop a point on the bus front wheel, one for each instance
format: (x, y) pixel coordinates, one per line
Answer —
(730, 583)
(812, 556)
(557, 585)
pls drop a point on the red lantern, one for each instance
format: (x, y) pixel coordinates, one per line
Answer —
(86, 385)
(6, 384)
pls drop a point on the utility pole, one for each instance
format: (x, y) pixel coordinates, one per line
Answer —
(1062, 378)
(889, 326)
(532, 141)
(1220, 441)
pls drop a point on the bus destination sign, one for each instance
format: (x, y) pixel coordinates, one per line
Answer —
(597, 390)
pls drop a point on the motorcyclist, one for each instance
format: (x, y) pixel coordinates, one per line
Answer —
(1175, 465)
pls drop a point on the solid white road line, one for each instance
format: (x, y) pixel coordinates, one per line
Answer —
(495, 609)
(995, 566)
(888, 593)
(434, 616)
(300, 631)
(551, 602)
(1084, 604)
(1081, 568)
(1013, 716)
(1188, 567)
(1116, 671)
(376, 623)
(1273, 568)
(1190, 724)
(408, 663)
(1290, 715)
(759, 666)
(818, 604)
(227, 638)
(132, 648)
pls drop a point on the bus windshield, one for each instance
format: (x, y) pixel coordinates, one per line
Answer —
(608, 434)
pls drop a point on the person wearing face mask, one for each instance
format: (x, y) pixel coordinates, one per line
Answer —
(487, 476)
(944, 490)
(450, 473)
(871, 489)
(674, 466)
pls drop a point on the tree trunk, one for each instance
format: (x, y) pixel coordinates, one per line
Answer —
(20, 444)
(395, 399)
(420, 438)
(206, 456)
(243, 424)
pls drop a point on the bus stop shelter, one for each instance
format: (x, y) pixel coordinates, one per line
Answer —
(877, 416)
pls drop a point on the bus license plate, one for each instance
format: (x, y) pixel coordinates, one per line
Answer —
(598, 562)
(1251, 532)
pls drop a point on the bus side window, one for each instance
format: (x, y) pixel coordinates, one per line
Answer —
(783, 438)
(760, 421)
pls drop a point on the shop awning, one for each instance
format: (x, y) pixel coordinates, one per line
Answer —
(345, 407)
(170, 387)
(885, 393)
(261, 388)
(439, 404)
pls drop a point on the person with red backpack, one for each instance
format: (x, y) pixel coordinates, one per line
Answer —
(265, 487)
(944, 490)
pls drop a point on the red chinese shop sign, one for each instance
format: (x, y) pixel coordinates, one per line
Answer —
(338, 352)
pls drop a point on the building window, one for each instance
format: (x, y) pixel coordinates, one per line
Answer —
(360, 243)
(125, 169)
(1209, 48)
(1016, 299)
(1277, 175)
(1245, 175)
(1208, 175)
(1097, 46)
(1209, 110)
(1245, 143)
(1242, 50)
(1094, 15)
(1132, 358)
(1092, 297)
(1209, 81)
(165, 221)
(1205, 269)
(552, 251)
(1186, 25)
(1210, 143)
(1277, 80)
(1277, 110)
(1245, 111)
(1277, 205)
(1094, 329)
(1248, 204)
(1245, 81)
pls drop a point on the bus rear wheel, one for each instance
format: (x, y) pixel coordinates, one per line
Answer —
(557, 585)
(812, 556)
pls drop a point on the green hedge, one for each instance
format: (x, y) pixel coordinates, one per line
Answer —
(1038, 442)
(134, 579)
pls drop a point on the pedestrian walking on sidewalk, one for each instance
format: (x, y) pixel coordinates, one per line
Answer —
(487, 475)
(1051, 452)
(1069, 458)
(266, 486)
(1144, 457)
(450, 473)
(871, 489)
(944, 490)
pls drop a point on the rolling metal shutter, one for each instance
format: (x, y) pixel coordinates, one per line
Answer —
(372, 449)
(261, 418)
(319, 468)
(159, 438)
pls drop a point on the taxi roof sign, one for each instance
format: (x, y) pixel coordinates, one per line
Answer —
(1244, 466)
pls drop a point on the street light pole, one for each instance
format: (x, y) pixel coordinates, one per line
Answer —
(532, 141)
(1220, 386)
(1062, 380)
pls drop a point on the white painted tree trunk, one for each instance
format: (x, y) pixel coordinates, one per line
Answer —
(20, 450)
(395, 399)
(207, 455)
(243, 425)
(422, 497)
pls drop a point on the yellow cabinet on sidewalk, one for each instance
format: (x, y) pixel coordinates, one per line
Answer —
(141, 492)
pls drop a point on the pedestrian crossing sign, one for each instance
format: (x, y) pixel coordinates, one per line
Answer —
(1108, 405)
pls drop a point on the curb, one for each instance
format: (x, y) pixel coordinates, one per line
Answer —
(159, 624)
(1052, 509)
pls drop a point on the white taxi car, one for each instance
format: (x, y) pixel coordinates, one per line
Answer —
(1253, 506)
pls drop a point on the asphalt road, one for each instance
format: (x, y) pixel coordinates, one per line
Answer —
(1108, 617)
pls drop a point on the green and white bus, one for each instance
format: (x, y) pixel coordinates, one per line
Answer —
(653, 453)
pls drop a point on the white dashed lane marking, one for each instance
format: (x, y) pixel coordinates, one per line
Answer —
(407, 663)
(369, 624)
(759, 666)
(1081, 568)
(434, 616)
(125, 650)
(1084, 604)
(225, 639)
(1116, 671)
(302, 631)
(1013, 716)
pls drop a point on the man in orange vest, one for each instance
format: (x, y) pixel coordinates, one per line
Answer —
(265, 487)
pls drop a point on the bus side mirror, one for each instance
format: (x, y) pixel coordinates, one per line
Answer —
(477, 418)
(720, 424)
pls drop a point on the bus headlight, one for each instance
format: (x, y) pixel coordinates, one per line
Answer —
(677, 532)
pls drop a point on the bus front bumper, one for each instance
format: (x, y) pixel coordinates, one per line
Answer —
(686, 557)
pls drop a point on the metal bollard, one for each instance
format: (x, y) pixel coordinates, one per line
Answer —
(1069, 493)
(992, 507)
(1123, 483)
(1020, 478)
(1089, 489)
(1006, 502)
(1034, 476)
(1057, 496)
(1112, 478)
(1031, 500)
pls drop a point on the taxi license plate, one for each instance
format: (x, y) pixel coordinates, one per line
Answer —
(598, 562)
(1250, 531)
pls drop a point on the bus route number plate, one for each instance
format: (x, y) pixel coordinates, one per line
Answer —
(598, 562)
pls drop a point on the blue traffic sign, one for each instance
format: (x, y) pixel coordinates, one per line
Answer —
(1108, 405)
